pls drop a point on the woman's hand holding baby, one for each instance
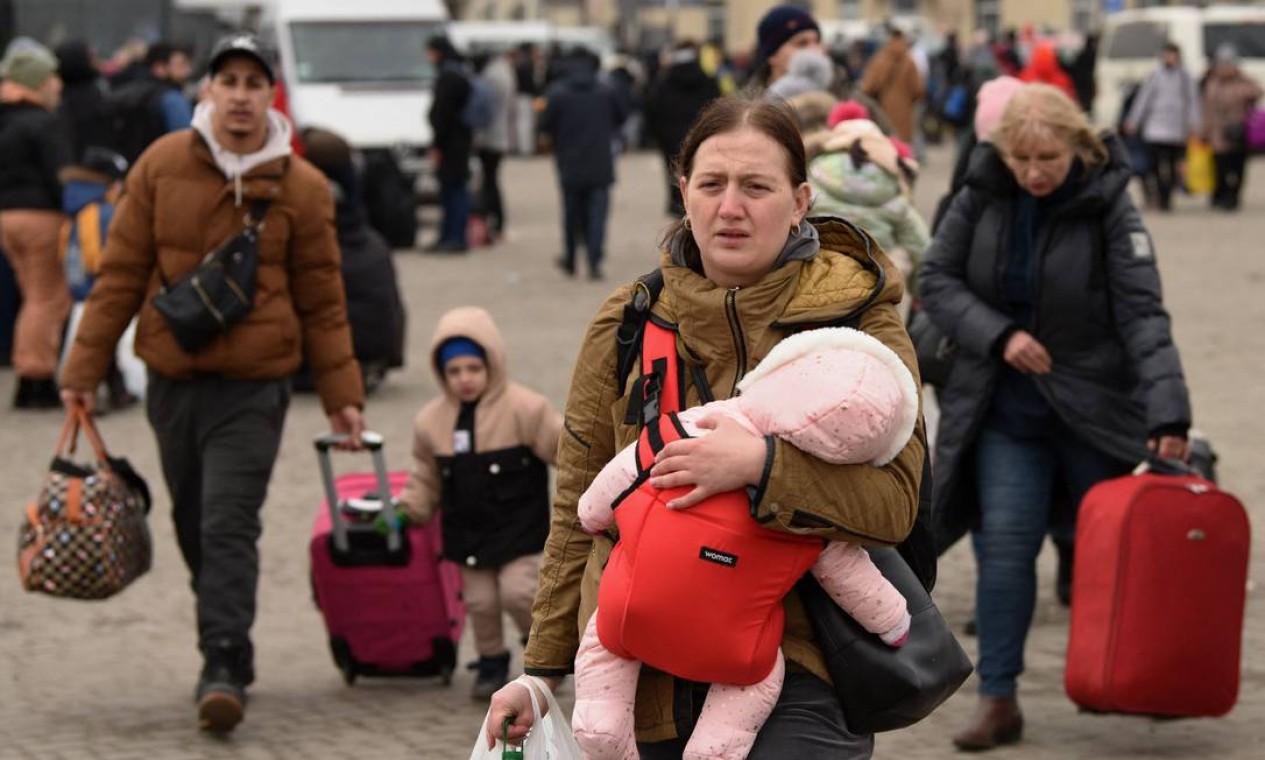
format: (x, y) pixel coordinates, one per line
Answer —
(728, 458)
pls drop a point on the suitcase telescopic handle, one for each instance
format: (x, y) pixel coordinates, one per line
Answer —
(373, 442)
(1160, 466)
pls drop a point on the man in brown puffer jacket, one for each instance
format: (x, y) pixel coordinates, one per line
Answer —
(218, 412)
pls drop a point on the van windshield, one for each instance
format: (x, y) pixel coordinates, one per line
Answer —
(1246, 37)
(1137, 39)
(363, 51)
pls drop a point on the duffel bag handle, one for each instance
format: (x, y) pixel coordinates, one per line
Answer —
(78, 420)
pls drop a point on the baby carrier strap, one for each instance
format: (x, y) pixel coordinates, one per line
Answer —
(661, 393)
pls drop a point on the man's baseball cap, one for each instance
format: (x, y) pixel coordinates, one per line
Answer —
(242, 44)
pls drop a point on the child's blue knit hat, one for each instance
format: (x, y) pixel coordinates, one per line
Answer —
(459, 346)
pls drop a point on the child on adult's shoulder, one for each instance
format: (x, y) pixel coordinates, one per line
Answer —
(481, 450)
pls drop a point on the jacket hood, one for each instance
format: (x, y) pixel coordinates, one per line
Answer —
(234, 165)
(74, 62)
(475, 323)
(79, 193)
(1045, 62)
(1099, 185)
(687, 75)
(868, 185)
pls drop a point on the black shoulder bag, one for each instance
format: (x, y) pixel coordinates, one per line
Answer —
(220, 291)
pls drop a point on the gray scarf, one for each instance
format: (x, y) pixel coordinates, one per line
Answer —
(801, 246)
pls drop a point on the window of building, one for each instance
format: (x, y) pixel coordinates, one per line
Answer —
(988, 15)
(903, 7)
(1083, 15)
(1138, 39)
(849, 10)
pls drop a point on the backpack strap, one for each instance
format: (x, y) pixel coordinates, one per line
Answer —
(646, 291)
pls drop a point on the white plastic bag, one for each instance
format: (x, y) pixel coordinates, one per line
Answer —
(550, 738)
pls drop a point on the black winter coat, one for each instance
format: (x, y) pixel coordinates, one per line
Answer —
(582, 116)
(1117, 377)
(676, 102)
(450, 134)
(374, 308)
(32, 151)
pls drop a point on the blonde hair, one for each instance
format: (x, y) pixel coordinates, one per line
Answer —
(1040, 110)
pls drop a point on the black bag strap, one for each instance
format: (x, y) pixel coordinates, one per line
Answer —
(645, 293)
(251, 223)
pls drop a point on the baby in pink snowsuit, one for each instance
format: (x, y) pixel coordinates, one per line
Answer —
(835, 393)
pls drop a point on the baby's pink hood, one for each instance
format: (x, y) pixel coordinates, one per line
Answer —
(836, 393)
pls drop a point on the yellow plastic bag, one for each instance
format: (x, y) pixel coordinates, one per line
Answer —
(1200, 175)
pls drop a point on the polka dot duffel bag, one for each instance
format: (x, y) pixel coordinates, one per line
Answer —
(86, 535)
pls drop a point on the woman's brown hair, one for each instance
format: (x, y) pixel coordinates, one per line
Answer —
(770, 117)
(1042, 109)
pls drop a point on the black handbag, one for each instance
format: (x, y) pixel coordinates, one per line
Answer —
(218, 292)
(932, 347)
(884, 688)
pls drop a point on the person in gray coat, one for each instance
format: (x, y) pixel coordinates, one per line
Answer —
(1166, 115)
(1065, 372)
(494, 142)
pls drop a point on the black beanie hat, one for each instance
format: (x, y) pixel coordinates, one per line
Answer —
(779, 25)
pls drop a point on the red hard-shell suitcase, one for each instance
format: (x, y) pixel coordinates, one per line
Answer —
(1158, 592)
(391, 605)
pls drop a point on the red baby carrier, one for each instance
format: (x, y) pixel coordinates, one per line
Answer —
(694, 592)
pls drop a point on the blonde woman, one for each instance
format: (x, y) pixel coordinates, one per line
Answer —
(1065, 372)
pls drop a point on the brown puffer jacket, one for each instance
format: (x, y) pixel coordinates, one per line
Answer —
(858, 503)
(504, 514)
(178, 206)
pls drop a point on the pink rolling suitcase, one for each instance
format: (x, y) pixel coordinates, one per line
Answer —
(392, 606)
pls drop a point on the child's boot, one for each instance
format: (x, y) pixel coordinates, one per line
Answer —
(494, 672)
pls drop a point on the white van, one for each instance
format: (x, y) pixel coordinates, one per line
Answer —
(359, 68)
(1132, 39)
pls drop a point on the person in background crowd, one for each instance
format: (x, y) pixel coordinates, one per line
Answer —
(674, 103)
(859, 176)
(218, 413)
(1082, 73)
(375, 309)
(494, 142)
(84, 114)
(453, 140)
(892, 79)
(1228, 98)
(1043, 66)
(733, 241)
(1006, 53)
(1065, 373)
(810, 70)
(91, 190)
(32, 154)
(582, 117)
(527, 89)
(1166, 114)
(484, 434)
(152, 103)
(782, 32)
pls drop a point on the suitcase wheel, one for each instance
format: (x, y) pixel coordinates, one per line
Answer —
(343, 659)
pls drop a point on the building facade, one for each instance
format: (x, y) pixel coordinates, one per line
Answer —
(652, 23)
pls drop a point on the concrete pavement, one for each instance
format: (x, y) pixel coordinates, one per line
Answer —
(115, 679)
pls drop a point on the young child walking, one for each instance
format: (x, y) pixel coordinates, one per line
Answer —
(481, 451)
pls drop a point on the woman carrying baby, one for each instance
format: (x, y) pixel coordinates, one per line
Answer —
(742, 271)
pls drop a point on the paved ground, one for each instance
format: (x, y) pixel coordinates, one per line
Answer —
(115, 679)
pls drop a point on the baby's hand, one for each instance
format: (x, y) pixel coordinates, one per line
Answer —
(898, 634)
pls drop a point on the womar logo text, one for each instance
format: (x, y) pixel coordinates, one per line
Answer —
(717, 556)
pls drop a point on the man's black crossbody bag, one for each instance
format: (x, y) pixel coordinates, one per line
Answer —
(219, 291)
